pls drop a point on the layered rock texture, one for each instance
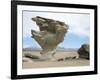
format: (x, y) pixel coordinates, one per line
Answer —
(51, 33)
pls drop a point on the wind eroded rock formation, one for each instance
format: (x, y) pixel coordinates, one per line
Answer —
(51, 33)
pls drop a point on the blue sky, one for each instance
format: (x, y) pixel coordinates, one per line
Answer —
(78, 33)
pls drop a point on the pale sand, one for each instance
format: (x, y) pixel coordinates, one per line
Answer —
(58, 55)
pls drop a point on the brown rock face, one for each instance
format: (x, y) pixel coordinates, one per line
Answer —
(84, 51)
(51, 33)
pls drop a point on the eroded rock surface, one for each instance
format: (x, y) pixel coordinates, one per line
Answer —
(84, 51)
(51, 33)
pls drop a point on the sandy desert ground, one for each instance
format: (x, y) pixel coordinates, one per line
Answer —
(62, 59)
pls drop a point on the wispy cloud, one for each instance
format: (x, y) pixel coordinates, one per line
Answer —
(78, 23)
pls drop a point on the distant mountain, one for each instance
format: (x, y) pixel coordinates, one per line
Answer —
(58, 49)
(66, 49)
(31, 49)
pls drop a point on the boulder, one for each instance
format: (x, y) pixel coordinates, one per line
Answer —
(61, 59)
(84, 51)
(25, 59)
(28, 55)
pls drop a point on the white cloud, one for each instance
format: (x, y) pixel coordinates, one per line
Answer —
(78, 23)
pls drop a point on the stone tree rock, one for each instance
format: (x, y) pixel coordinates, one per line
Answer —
(51, 33)
(84, 51)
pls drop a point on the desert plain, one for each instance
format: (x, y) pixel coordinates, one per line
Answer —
(62, 59)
